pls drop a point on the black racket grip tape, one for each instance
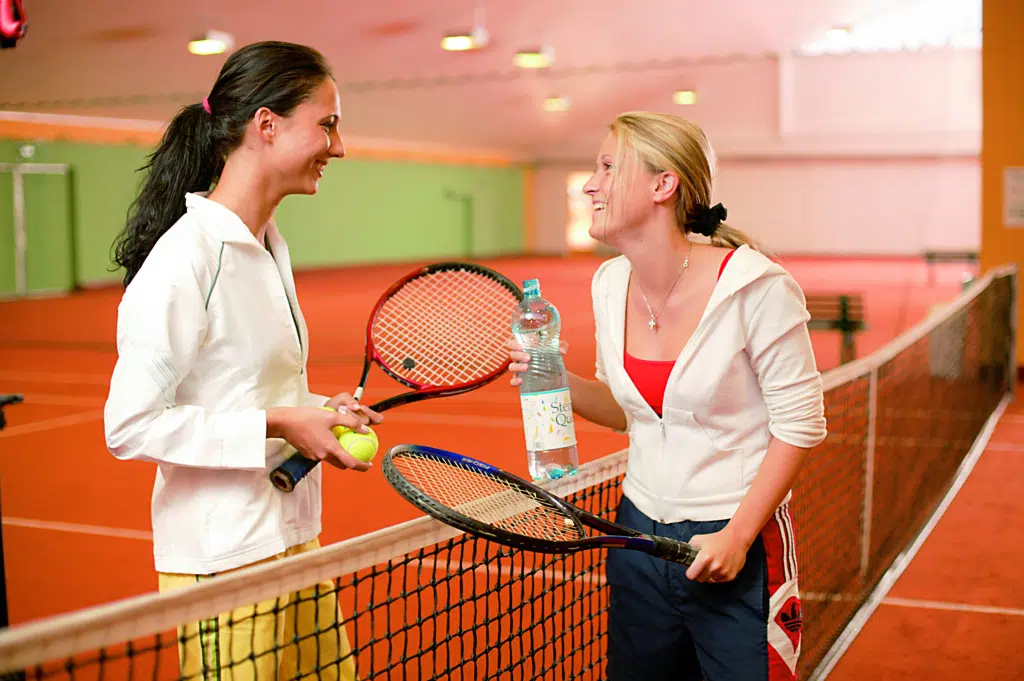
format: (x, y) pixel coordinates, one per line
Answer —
(286, 476)
(675, 551)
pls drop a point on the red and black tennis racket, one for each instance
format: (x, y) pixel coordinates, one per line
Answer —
(440, 330)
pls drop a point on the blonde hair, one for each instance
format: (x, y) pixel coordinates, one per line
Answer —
(666, 143)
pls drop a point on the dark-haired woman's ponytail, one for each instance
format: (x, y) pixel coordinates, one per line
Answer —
(185, 161)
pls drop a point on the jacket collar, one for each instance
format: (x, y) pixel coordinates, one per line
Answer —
(218, 220)
(745, 267)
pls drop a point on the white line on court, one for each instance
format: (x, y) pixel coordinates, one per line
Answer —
(1004, 447)
(63, 400)
(50, 424)
(957, 607)
(45, 377)
(78, 528)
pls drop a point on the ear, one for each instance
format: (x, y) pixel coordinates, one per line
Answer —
(265, 124)
(665, 186)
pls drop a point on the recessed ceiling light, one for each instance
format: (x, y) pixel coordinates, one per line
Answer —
(456, 43)
(471, 40)
(213, 42)
(684, 97)
(534, 59)
(557, 104)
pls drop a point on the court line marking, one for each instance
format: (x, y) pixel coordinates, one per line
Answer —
(955, 607)
(1004, 447)
(62, 400)
(51, 377)
(78, 528)
(51, 424)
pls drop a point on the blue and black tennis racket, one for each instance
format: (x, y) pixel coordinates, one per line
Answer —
(485, 501)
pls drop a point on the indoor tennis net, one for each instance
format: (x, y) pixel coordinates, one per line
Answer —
(423, 601)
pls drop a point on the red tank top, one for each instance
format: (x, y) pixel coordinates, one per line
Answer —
(651, 376)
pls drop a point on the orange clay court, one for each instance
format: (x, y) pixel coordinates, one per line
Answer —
(76, 521)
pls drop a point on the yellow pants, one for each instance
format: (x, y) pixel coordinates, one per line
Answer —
(248, 643)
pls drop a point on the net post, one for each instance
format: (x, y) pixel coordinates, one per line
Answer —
(1012, 359)
(869, 473)
(4, 622)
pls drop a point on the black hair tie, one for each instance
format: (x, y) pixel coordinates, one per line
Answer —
(706, 221)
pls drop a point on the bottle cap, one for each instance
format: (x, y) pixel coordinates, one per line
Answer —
(531, 288)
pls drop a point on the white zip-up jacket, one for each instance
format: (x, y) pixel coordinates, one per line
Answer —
(746, 375)
(209, 336)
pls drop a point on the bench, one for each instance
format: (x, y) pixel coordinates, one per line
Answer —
(933, 257)
(838, 312)
(4, 401)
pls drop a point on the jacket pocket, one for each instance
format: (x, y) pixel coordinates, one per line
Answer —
(696, 466)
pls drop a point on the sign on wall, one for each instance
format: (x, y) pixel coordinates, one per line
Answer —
(1013, 196)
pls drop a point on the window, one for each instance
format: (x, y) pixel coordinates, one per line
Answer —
(580, 213)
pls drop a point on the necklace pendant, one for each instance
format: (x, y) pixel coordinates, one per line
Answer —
(653, 324)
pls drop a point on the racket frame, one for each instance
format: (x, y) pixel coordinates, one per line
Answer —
(616, 535)
(289, 473)
(420, 391)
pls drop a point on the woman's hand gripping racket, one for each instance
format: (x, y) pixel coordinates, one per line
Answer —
(439, 330)
(488, 502)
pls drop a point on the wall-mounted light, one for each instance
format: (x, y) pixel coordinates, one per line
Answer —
(212, 42)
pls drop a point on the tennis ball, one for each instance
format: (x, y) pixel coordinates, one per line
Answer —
(363, 446)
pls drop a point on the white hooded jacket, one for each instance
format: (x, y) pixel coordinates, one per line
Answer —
(209, 336)
(747, 374)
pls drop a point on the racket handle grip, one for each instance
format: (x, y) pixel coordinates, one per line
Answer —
(673, 550)
(286, 476)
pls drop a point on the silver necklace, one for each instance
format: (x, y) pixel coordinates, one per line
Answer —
(653, 323)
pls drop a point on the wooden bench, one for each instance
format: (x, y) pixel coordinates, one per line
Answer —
(838, 312)
(933, 257)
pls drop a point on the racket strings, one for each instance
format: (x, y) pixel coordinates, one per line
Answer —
(453, 325)
(486, 499)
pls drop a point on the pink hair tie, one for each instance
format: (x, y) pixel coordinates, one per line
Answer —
(206, 104)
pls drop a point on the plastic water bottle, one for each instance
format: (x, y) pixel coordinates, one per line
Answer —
(544, 392)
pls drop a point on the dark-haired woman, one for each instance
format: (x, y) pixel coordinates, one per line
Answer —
(210, 382)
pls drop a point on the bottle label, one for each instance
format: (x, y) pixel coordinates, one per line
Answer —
(547, 420)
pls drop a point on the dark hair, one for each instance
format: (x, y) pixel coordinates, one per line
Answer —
(190, 157)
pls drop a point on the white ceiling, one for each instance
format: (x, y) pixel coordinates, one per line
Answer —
(127, 59)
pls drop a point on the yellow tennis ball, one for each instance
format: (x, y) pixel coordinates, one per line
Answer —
(363, 446)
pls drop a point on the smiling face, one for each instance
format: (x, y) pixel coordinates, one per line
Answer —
(305, 141)
(624, 191)
(652, 169)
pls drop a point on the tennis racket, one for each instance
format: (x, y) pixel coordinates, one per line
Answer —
(440, 330)
(485, 501)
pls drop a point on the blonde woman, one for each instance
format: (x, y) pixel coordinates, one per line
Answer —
(704, 358)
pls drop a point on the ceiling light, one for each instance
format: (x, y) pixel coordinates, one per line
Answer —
(557, 104)
(684, 97)
(460, 42)
(457, 43)
(213, 42)
(534, 59)
(468, 40)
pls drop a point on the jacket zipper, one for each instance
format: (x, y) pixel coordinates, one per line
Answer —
(291, 311)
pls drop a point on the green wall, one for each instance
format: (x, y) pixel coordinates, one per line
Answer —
(366, 210)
